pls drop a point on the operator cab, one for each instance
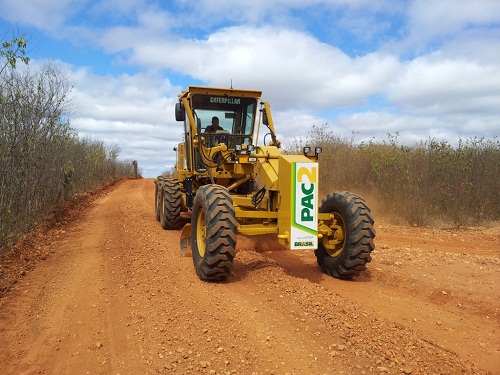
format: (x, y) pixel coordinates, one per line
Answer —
(215, 116)
(235, 116)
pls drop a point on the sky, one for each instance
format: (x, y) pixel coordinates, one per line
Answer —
(416, 68)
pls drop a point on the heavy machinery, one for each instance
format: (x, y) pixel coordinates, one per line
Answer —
(231, 185)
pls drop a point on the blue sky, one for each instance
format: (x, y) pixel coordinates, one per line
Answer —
(419, 68)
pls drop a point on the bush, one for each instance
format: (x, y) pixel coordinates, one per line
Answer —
(428, 182)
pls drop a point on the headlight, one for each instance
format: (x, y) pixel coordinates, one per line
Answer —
(306, 150)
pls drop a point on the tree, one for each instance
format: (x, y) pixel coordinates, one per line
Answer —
(13, 50)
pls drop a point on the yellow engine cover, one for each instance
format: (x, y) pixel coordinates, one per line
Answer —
(298, 210)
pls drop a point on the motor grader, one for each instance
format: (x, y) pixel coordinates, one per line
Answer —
(233, 185)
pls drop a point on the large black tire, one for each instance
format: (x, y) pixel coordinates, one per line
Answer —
(345, 253)
(213, 233)
(158, 197)
(172, 203)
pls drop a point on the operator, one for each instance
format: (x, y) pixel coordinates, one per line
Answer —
(215, 126)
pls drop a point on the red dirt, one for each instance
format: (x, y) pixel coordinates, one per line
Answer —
(108, 292)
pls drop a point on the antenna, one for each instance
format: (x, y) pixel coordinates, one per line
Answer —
(231, 83)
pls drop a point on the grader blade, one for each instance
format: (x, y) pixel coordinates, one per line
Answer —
(186, 239)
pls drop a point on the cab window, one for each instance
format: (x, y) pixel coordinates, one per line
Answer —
(235, 114)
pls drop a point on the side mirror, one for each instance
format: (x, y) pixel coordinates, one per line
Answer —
(265, 121)
(180, 113)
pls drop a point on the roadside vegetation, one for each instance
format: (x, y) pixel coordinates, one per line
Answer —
(431, 183)
(43, 162)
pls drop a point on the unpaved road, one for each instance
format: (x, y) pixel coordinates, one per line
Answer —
(110, 293)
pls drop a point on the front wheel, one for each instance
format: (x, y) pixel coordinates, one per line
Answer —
(213, 233)
(347, 242)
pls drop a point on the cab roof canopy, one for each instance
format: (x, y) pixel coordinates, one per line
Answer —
(218, 91)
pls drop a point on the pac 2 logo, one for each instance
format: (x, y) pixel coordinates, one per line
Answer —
(305, 201)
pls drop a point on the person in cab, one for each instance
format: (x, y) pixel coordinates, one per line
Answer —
(215, 126)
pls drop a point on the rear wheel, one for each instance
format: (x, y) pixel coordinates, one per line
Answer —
(158, 197)
(347, 242)
(172, 203)
(213, 233)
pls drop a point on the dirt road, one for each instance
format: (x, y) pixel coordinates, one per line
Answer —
(110, 293)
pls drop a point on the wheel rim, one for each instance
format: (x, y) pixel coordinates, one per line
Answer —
(201, 232)
(334, 242)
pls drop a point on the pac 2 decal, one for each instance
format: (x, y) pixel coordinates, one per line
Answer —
(304, 231)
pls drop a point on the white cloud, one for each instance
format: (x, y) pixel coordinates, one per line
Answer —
(433, 20)
(379, 125)
(433, 85)
(135, 112)
(259, 11)
(291, 125)
(479, 46)
(292, 67)
(44, 14)
(115, 8)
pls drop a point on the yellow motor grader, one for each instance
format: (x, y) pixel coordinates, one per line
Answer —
(231, 185)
